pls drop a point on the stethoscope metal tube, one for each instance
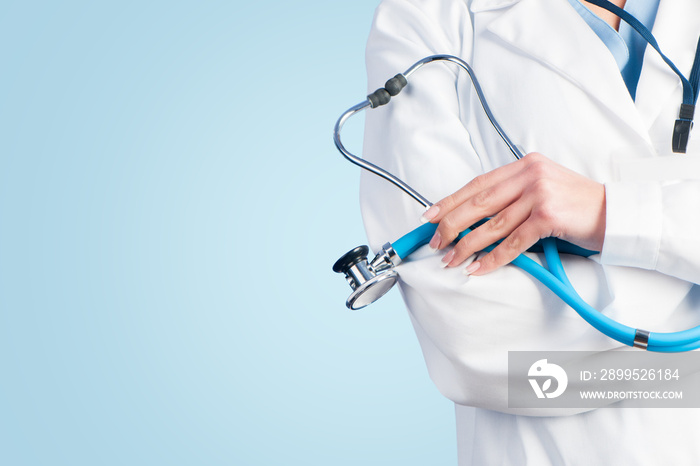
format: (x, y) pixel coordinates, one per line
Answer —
(371, 280)
(517, 153)
(367, 103)
(362, 163)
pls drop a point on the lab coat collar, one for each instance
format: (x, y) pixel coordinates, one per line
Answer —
(677, 39)
(532, 26)
(554, 34)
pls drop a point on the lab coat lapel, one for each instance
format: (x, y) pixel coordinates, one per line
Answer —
(554, 34)
(676, 29)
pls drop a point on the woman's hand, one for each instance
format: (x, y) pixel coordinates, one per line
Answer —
(530, 199)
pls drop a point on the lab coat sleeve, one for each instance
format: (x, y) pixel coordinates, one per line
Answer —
(422, 136)
(654, 225)
(420, 130)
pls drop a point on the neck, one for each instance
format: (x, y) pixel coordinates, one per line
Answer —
(605, 15)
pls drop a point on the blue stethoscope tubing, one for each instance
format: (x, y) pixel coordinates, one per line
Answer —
(554, 277)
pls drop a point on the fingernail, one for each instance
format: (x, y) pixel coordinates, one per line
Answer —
(473, 267)
(430, 214)
(448, 258)
(435, 242)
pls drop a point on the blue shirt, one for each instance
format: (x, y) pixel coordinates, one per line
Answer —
(626, 46)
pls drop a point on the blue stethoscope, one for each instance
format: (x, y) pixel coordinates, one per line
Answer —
(371, 280)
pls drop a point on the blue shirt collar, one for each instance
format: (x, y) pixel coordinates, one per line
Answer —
(626, 46)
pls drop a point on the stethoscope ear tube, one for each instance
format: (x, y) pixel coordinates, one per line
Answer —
(393, 87)
(369, 166)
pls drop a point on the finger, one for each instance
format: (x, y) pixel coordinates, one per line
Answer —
(437, 211)
(483, 204)
(501, 225)
(522, 238)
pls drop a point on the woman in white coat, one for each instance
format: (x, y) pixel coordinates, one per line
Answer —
(600, 174)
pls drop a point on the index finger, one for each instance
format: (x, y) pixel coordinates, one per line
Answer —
(482, 182)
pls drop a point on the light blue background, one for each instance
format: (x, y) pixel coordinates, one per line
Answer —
(170, 206)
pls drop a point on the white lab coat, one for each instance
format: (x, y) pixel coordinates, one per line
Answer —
(556, 89)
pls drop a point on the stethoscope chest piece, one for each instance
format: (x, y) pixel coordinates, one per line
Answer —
(371, 290)
(369, 282)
